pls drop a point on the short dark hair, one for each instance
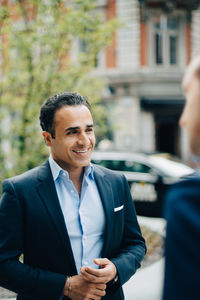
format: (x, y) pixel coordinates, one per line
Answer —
(52, 104)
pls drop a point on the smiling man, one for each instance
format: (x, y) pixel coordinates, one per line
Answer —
(74, 222)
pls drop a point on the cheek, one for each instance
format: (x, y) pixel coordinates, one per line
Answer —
(93, 139)
(60, 147)
(190, 118)
(196, 126)
(194, 133)
(194, 119)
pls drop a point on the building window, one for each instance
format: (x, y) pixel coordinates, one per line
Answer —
(165, 40)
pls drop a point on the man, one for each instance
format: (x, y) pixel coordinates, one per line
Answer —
(182, 267)
(75, 223)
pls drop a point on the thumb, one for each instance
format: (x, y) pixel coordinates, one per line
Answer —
(101, 262)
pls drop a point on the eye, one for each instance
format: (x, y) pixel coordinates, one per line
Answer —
(71, 132)
(90, 129)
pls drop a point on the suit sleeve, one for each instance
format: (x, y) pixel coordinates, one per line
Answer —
(14, 275)
(133, 246)
(182, 260)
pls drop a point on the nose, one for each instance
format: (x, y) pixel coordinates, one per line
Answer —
(83, 139)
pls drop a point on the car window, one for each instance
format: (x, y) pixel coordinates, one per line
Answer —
(117, 165)
(121, 165)
(132, 166)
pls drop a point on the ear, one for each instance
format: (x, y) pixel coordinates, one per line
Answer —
(47, 137)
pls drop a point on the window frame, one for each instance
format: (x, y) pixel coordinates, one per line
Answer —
(166, 44)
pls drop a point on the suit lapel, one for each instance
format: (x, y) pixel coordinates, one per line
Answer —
(106, 194)
(48, 194)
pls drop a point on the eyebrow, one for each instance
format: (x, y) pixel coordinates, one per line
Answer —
(77, 127)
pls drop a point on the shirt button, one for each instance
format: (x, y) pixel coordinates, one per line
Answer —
(84, 238)
(64, 174)
(85, 263)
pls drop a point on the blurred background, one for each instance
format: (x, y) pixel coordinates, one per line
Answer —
(126, 56)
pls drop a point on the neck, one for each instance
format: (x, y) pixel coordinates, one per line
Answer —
(76, 176)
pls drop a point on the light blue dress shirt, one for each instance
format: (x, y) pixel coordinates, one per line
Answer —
(84, 216)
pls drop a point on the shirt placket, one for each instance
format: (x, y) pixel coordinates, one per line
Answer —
(83, 222)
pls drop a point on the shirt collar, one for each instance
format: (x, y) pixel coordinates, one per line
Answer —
(57, 170)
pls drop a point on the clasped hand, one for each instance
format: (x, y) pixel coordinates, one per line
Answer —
(91, 283)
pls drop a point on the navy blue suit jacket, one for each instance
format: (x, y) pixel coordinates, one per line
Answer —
(32, 223)
(182, 267)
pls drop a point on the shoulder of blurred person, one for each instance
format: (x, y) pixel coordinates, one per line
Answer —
(182, 212)
(184, 191)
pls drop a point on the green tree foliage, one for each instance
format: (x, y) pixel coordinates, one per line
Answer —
(37, 49)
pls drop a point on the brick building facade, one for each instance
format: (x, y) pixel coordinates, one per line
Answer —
(144, 67)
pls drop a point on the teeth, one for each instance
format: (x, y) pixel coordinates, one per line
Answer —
(81, 151)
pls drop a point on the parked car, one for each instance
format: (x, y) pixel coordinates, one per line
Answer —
(149, 176)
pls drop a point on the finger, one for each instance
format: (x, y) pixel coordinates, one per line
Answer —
(101, 262)
(92, 271)
(99, 273)
(100, 293)
(101, 286)
(94, 297)
(92, 278)
(96, 293)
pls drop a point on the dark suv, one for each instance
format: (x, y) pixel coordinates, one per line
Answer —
(149, 176)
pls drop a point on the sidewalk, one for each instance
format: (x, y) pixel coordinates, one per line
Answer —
(146, 283)
(6, 294)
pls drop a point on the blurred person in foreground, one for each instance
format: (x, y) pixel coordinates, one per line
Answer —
(74, 222)
(182, 206)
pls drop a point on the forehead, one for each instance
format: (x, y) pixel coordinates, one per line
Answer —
(73, 115)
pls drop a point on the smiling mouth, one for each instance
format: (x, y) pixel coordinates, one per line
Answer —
(81, 151)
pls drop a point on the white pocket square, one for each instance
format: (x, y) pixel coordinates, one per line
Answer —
(118, 208)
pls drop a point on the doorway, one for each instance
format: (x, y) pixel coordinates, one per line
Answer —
(167, 136)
